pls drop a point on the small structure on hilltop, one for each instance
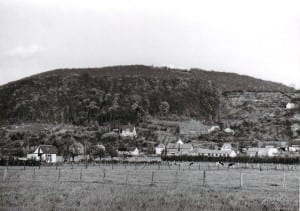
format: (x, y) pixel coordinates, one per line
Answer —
(45, 153)
(268, 151)
(229, 130)
(159, 149)
(290, 106)
(128, 133)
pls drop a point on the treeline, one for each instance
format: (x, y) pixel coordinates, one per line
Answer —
(240, 159)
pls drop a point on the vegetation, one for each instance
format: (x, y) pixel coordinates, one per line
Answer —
(122, 93)
(43, 189)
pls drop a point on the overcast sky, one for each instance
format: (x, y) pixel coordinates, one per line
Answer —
(260, 38)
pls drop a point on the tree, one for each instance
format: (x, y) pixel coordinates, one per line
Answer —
(111, 151)
(98, 151)
(164, 107)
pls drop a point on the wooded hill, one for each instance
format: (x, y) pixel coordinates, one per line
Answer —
(121, 93)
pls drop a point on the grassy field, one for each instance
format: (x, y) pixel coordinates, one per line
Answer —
(150, 187)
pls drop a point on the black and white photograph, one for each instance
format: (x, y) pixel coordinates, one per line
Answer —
(139, 105)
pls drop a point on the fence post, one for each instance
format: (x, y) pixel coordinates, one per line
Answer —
(80, 177)
(179, 166)
(33, 175)
(56, 166)
(241, 180)
(126, 179)
(176, 177)
(204, 177)
(199, 167)
(58, 174)
(104, 175)
(5, 174)
(283, 181)
(152, 178)
(112, 165)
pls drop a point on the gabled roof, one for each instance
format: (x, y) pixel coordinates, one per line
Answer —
(48, 149)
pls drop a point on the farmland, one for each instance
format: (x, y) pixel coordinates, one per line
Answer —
(201, 186)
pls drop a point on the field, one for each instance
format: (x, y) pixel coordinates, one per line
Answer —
(201, 186)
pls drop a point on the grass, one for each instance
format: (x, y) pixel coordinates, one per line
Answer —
(128, 188)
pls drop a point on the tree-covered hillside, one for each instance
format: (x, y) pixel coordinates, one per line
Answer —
(122, 93)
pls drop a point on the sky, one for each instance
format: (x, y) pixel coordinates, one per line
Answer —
(260, 38)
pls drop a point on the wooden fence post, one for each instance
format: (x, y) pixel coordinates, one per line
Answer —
(126, 179)
(241, 180)
(104, 175)
(283, 181)
(176, 177)
(80, 176)
(58, 174)
(5, 174)
(199, 167)
(179, 166)
(33, 175)
(152, 178)
(204, 177)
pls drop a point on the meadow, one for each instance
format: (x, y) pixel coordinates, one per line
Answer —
(200, 186)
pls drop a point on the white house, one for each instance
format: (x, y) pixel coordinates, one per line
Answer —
(262, 152)
(47, 153)
(159, 149)
(127, 133)
(226, 147)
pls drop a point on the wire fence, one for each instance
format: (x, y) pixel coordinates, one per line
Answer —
(283, 178)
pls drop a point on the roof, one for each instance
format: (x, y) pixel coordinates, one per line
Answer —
(181, 146)
(48, 149)
(212, 151)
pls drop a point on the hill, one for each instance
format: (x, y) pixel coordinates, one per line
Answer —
(122, 93)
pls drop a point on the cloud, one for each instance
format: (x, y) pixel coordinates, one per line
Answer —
(24, 51)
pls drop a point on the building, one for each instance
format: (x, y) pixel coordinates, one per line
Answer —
(129, 151)
(159, 149)
(47, 153)
(262, 152)
(213, 152)
(179, 148)
(226, 147)
(128, 133)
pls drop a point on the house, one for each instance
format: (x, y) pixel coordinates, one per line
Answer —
(179, 148)
(128, 133)
(159, 149)
(226, 147)
(129, 151)
(294, 148)
(262, 152)
(47, 153)
(213, 152)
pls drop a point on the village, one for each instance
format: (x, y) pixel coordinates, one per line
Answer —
(49, 153)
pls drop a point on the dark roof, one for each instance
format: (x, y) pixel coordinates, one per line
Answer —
(48, 149)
